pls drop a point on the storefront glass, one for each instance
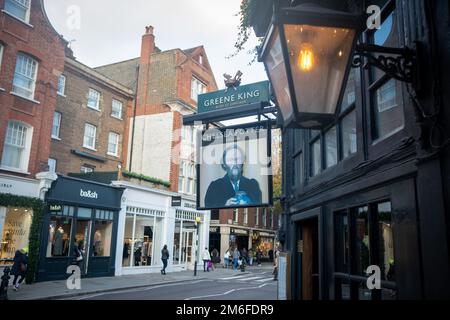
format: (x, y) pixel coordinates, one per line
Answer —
(142, 241)
(103, 233)
(15, 226)
(177, 243)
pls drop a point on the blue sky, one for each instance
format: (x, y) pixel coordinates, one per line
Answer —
(110, 31)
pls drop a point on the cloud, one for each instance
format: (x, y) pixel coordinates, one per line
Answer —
(111, 30)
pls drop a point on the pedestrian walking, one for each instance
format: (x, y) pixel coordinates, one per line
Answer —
(206, 260)
(78, 252)
(258, 257)
(236, 255)
(226, 259)
(20, 267)
(244, 254)
(164, 257)
(215, 257)
(250, 257)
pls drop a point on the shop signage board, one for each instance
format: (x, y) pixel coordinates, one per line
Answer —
(19, 186)
(234, 97)
(234, 167)
(176, 201)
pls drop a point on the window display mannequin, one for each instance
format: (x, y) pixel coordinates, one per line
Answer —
(58, 242)
(51, 235)
(126, 253)
(98, 248)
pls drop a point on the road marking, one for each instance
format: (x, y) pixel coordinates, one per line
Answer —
(265, 280)
(234, 277)
(248, 279)
(88, 296)
(227, 292)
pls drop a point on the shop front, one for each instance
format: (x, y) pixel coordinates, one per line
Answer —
(150, 219)
(83, 215)
(214, 238)
(15, 220)
(265, 242)
(239, 238)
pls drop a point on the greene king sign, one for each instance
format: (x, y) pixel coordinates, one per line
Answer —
(244, 95)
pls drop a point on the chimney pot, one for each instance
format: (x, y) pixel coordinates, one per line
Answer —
(149, 30)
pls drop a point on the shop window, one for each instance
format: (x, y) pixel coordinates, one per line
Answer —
(142, 241)
(16, 150)
(62, 85)
(103, 233)
(59, 231)
(19, 9)
(364, 237)
(177, 243)
(15, 224)
(331, 150)
(25, 74)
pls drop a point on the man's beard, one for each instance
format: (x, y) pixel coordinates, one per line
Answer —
(234, 173)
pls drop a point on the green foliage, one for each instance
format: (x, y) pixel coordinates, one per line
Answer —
(247, 8)
(38, 207)
(145, 178)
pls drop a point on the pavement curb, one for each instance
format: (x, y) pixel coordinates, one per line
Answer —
(77, 294)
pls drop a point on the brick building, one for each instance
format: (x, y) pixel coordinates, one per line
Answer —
(89, 123)
(169, 82)
(31, 60)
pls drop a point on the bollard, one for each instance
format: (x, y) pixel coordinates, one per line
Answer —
(4, 284)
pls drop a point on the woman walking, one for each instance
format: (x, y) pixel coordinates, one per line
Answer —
(164, 257)
(206, 259)
(20, 266)
(226, 259)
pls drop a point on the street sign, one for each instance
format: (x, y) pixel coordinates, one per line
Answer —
(234, 97)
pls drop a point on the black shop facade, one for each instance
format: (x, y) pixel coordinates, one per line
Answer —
(79, 214)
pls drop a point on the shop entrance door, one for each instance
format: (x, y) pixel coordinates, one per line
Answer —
(308, 260)
(83, 239)
(188, 247)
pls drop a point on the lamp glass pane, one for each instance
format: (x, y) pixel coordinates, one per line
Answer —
(276, 68)
(318, 59)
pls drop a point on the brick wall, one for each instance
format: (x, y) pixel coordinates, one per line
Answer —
(75, 114)
(43, 43)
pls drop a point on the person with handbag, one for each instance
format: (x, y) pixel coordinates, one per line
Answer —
(78, 253)
(206, 259)
(19, 267)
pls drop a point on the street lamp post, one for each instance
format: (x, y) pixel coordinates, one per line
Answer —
(197, 249)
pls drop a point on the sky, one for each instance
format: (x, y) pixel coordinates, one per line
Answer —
(107, 31)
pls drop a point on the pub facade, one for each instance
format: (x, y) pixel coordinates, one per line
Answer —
(372, 187)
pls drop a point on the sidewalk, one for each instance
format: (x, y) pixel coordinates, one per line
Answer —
(58, 289)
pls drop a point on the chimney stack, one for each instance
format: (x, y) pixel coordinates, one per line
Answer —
(148, 45)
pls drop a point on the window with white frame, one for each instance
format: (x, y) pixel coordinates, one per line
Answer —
(16, 150)
(56, 125)
(191, 179)
(116, 111)
(51, 165)
(62, 85)
(246, 216)
(25, 74)
(94, 99)
(19, 9)
(257, 216)
(86, 169)
(90, 132)
(113, 144)
(197, 87)
(271, 218)
(181, 177)
(235, 215)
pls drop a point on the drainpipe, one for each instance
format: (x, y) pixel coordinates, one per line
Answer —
(134, 118)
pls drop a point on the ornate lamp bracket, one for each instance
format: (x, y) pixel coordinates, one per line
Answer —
(397, 63)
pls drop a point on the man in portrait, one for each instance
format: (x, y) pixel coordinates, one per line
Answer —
(233, 189)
